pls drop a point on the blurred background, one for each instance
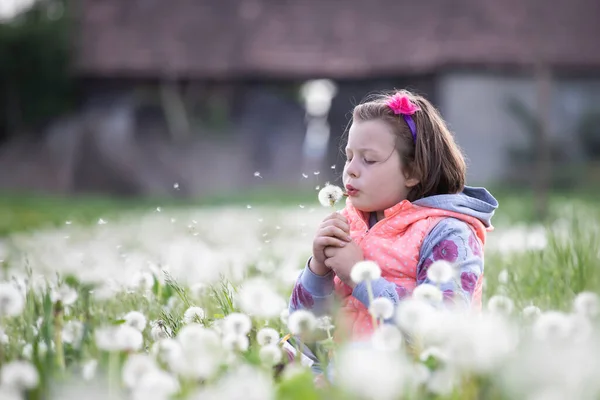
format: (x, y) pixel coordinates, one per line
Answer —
(189, 99)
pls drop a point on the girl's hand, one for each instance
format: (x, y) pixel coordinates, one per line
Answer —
(342, 260)
(333, 232)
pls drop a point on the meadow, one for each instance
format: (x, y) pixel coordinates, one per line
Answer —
(172, 299)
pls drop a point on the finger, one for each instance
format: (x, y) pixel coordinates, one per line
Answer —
(339, 223)
(325, 241)
(330, 251)
(334, 231)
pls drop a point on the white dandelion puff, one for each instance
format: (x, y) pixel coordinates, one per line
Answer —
(382, 308)
(500, 304)
(440, 272)
(428, 293)
(119, 338)
(267, 336)
(587, 304)
(135, 367)
(195, 337)
(156, 384)
(531, 312)
(387, 338)
(302, 322)
(270, 354)
(324, 323)
(19, 375)
(258, 298)
(193, 314)
(284, 316)
(160, 330)
(237, 324)
(365, 271)
(11, 300)
(236, 343)
(136, 320)
(330, 195)
(503, 277)
(65, 294)
(551, 326)
(72, 333)
(88, 370)
(413, 316)
(164, 348)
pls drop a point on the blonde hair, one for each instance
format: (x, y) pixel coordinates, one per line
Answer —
(435, 159)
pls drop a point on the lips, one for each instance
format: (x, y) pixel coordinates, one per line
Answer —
(351, 190)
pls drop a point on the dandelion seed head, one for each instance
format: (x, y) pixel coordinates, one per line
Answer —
(193, 314)
(237, 324)
(19, 375)
(428, 293)
(11, 300)
(382, 308)
(267, 336)
(365, 271)
(501, 305)
(330, 195)
(531, 312)
(302, 322)
(440, 272)
(135, 367)
(136, 320)
(587, 304)
(236, 343)
(160, 330)
(270, 354)
(72, 333)
(88, 370)
(387, 338)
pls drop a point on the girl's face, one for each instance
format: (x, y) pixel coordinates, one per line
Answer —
(373, 174)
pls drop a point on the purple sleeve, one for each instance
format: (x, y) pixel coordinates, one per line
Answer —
(451, 240)
(454, 241)
(312, 292)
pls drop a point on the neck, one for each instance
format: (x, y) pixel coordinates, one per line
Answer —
(380, 215)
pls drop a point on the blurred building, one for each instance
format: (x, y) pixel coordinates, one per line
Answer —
(219, 80)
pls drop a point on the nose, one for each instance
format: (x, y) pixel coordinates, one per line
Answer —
(352, 169)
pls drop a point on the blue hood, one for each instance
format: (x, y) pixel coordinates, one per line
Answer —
(473, 201)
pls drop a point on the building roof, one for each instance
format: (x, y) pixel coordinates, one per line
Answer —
(334, 38)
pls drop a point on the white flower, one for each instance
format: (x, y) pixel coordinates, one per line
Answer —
(502, 305)
(440, 272)
(301, 322)
(387, 337)
(27, 351)
(552, 325)
(414, 316)
(11, 300)
(195, 337)
(88, 371)
(270, 354)
(258, 298)
(503, 277)
(160, 330)
(373, 374)
(233, 342)
(428, 293)
(244, 382)
(365, 271)
(72, 333)
(162, 349)
(329, 195)
(136, 320)
(119, 338)
(531, 311)
(193, 314)
(284, 316)
(20, 375)
(135, 367)
(324, 323)
(587, 304)
(267, 336)
(237, 324)
(65, 294)
(155, 384)
(382, 308)
(3, 337)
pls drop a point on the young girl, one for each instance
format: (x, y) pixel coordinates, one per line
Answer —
(408, 207)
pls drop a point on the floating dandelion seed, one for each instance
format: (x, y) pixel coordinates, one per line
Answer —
(304, 176)
(333, 166)
(301, 206)
(316, 173)
(330, 195)
(172, 220)
(248, 206)
(318, 187)
(158, 209)
(257, 175)
(176, 186)
(68, 222)
(101, 222)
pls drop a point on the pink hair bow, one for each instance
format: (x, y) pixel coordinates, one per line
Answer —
(401, 104)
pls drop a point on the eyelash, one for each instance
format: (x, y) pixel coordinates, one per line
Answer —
(348, 159)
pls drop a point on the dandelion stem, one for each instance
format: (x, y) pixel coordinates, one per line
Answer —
(58, 344)
(370, 293)
(113, 373)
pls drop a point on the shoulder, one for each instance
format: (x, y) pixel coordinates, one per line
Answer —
(453, 237)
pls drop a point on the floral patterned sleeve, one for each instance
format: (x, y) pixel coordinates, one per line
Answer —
(454, 241)
(312, 292)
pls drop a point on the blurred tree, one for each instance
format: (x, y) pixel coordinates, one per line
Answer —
(35, 80)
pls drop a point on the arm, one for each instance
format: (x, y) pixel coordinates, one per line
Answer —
(312, 292)
(451, 240)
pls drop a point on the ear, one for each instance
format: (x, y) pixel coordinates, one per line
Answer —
(411, 182)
